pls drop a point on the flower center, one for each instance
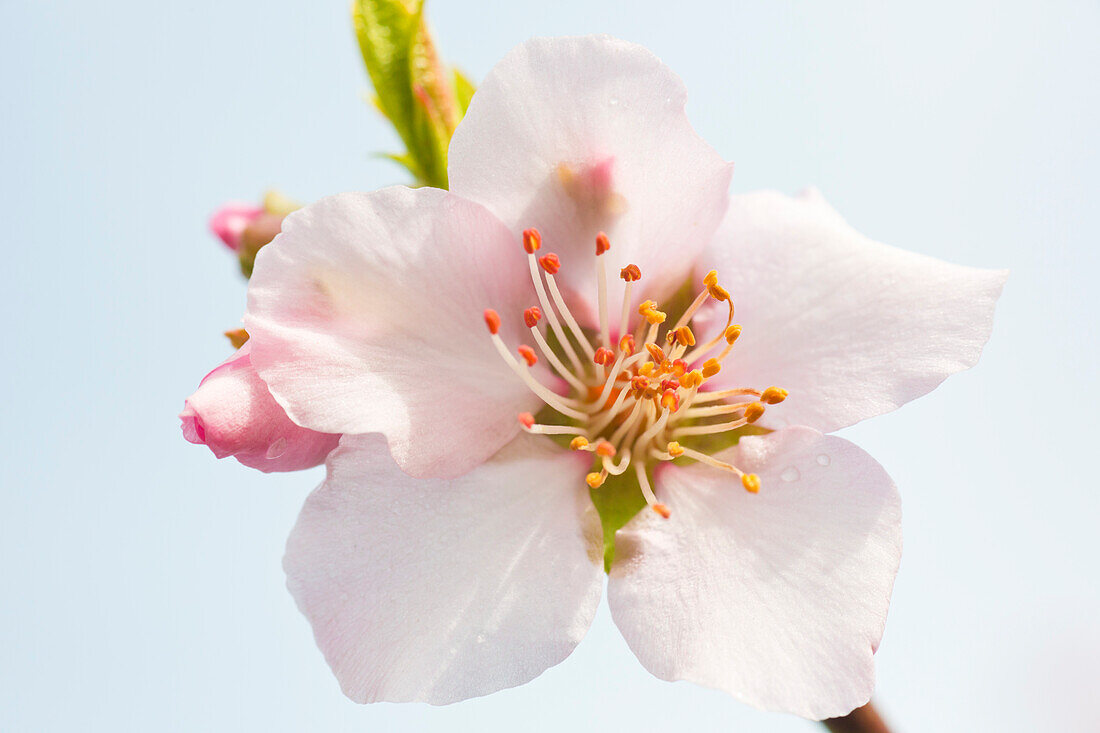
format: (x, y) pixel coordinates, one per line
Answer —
(631, 406)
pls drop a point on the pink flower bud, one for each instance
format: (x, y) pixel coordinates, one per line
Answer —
(233, 413)
(231, 219)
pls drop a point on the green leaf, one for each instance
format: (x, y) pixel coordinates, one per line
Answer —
(413, 89)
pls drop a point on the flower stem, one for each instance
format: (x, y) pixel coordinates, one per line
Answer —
(861, 720)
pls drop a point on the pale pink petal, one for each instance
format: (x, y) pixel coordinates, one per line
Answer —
(437, 591)
(852, 328)
(577, 135)
(233, 414)
(366, 316)
(778, 598)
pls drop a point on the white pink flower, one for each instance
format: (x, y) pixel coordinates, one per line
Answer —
(454, 548)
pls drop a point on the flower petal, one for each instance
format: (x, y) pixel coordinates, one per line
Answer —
(778, 598)
(366, 316)
(852, 328)
(437, 591)
(233, 414)
(583, 134)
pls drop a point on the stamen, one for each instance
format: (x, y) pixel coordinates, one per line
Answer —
(773, 395)
(630, 274)
(709, 429)
(602, 245)
(636, 414)
(646, 490)
(567, 315)
(532, 240)
(528, 354)
(531, 317)
(554, 400)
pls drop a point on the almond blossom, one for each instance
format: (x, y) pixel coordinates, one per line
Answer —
(560, 326)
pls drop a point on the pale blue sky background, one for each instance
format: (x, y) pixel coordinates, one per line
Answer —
(140, 580)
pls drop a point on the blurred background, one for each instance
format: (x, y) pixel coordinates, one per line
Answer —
(140, 579)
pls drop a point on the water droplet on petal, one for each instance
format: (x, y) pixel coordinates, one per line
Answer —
(823, 459)
(276, 449)
(790, 473)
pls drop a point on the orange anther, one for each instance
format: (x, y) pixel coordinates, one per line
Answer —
(579, 443)
(692, 379)
(718, 292)
(675, 449)
(732, 333)
(656, 352)
(711, 367)
(237, 337)
(594, 480)
(679, 368)
(531, 316)
(604, 357)
(626, 344)
(670, 400)
(605, 449)
(711, 279)
(602, 243)
(751, 482)
(532, 240)
(550, 263)
(528, 354)
(527, 420)
(754, 412)
(646, 369)
(639, 383)
(492, 320)
(685, 336)
(662, 510)
(773, 395)
(631, 273)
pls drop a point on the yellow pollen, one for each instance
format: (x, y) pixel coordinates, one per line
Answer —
(751, 482)
(754, 412)
(692, 379)
(594, 480)
(675, 449)
(718, 292)
(732, 333)
(579, 443)
(647, 369)
(711, 367)
(711, 279)
(685, 336)
(655, 352)
(773, 395)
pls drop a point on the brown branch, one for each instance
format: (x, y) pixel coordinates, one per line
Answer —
(861, 720)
